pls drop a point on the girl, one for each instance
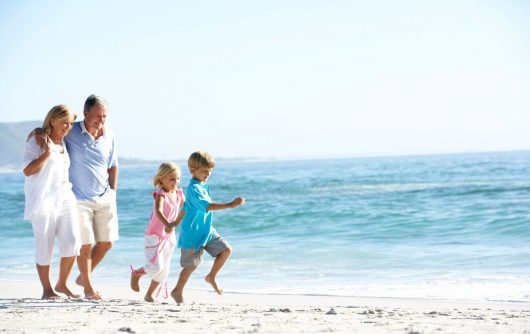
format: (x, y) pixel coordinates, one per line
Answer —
(50, 203)
(159, 236)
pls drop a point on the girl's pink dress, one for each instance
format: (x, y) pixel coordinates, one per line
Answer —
(159, 245)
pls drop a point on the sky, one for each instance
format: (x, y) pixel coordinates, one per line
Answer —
(277, 79)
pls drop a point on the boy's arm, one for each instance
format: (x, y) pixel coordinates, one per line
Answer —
(221, 206)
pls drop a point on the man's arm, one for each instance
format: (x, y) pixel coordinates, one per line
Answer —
(113, 177)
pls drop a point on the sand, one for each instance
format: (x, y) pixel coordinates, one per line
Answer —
(124, 311)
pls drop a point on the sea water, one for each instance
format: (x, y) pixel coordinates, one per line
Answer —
(440, 226)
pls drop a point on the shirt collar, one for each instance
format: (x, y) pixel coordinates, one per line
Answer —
(194, 181)
(84, 130)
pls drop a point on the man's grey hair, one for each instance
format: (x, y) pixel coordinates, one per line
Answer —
(94, 100)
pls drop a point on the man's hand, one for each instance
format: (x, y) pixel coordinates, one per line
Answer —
(41, 137)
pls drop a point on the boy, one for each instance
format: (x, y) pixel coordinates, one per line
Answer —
(196, 231)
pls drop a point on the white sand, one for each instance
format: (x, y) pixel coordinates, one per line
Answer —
(124, 311)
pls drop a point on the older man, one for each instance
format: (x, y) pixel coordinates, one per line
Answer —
(94, 176)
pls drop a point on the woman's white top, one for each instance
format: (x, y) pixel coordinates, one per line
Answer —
(46, 190)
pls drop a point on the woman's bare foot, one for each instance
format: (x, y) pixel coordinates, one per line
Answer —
(149, 299)
(79, 281)
(213, 283)
(92, 295)
(179, 299)
(50, 295)
(64, 289)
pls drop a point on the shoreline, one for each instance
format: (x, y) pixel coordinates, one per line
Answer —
(124, 310)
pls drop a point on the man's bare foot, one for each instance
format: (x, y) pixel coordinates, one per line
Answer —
(92, 295)
(212, 281)
(64, 289)
(50, 295)
(79, 281)
(149, 299)
(179, 299)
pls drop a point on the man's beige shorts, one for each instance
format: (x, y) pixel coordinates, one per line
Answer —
(98, 219)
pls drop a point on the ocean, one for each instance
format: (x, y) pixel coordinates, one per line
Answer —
(438, 226)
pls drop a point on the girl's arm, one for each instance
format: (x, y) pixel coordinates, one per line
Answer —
(159, 210)
(35, 166)
(169, 228)
(221, 206)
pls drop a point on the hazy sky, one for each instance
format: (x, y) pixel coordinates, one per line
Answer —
(277, 78)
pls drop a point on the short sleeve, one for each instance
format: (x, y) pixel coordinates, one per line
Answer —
(113, 159)
(31, 151)
(198, 198)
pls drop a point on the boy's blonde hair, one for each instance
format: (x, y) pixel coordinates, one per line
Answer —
(164, 170)
(58, 112)
(201, 159)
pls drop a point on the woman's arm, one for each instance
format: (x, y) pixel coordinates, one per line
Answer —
(35, 166)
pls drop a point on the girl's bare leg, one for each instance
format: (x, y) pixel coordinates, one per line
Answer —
(150, 291)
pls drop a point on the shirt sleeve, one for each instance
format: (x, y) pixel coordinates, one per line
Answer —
(113, 159)
(197, 198)
(31, 151)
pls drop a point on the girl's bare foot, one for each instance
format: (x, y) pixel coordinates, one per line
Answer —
(213, 283)
(64, 289)
(50, 295)
(179, 299)
(135, 278)
(149, 299)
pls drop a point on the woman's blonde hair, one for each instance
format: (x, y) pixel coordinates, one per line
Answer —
(58, 112)
(201, 159)
(164, 170)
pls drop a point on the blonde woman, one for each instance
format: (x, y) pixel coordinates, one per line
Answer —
(50, 203)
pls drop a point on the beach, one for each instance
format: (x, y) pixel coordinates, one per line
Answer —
(122, 310)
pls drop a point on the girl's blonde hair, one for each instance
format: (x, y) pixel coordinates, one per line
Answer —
(58, 112)
(164, 170)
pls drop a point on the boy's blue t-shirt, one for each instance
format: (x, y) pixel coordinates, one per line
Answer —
(196, 227)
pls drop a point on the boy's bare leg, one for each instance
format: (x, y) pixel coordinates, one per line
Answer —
(84, 261)
(67, 263)
(184, 276)
(218, 263)
(97, 254)
(44, 277)
(150, 291)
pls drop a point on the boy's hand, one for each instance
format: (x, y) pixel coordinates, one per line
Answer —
(238, 201)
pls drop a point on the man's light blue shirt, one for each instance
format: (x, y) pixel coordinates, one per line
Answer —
(90, 160)
(196, 227)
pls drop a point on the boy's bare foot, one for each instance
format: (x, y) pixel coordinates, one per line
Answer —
(79, 281)
(212, 281)
(64, 289)
(149, 299)
(50, 295)
(177, 297)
